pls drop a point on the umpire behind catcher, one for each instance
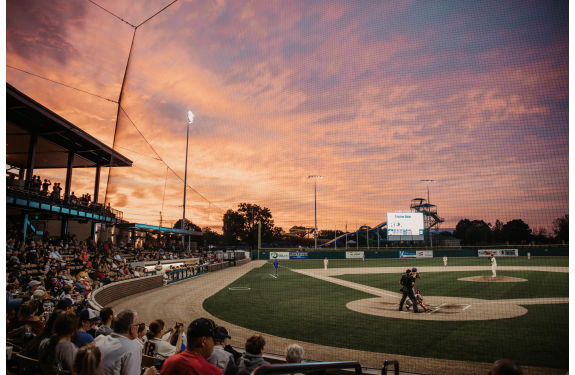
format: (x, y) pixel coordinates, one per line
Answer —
(407, 282)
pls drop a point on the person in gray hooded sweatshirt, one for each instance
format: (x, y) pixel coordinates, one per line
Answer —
(253, 357)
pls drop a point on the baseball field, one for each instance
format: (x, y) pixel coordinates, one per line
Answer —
(522, 314)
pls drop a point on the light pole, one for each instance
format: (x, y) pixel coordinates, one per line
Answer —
(427, 182)
(315, 178)
(190, 121)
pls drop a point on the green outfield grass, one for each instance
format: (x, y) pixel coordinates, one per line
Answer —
(304, 308)
(538, 285)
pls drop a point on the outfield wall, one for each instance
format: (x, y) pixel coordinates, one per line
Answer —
(280, 254)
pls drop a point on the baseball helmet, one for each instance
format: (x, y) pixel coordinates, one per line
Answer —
(414, 269)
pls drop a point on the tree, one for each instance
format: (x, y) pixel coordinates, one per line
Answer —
(516, 231)
(329, 234)
(233, 227)
(561, 228)
(473, 232)
(187, 225)
(243, 224)
(211, 237)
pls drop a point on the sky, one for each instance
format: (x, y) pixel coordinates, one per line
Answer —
(374, 96)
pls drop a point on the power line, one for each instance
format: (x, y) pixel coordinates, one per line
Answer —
(107, 11)
(62, 84)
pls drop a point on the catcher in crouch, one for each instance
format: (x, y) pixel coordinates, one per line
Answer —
(419, 298)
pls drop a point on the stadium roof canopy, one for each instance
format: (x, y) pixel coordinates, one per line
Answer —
(56, 138)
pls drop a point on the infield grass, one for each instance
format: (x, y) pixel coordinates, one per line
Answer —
(304, 308)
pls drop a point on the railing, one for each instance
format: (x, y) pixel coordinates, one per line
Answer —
(41, 201)
(395, 367)
(186, 273)
(290, 368)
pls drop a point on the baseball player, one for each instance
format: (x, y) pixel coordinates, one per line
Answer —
(445, 261)
(276, 265)
(407, 282)
(325, 262)
(420, 302)
(493, 266)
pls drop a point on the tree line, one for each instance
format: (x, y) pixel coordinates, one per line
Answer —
(241, 227)
(478, 232)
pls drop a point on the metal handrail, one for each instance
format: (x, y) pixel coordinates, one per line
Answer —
(289, 368)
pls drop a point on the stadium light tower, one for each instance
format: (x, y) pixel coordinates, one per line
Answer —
(427, 182)
(315, 178)
(190, 121)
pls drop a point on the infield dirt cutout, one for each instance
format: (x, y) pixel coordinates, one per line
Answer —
(386, 303)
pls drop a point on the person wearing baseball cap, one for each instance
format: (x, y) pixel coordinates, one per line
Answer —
(192, 361)
(220, 357)
(88, 320)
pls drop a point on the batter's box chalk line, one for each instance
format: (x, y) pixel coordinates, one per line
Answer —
(239, 288)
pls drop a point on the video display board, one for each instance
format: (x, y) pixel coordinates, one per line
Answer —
(405, 226)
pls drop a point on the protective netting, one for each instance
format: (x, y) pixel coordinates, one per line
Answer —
(373, 97)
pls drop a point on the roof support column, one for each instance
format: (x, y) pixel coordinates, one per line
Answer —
(69, 175)
(31, 158)
(97, 184)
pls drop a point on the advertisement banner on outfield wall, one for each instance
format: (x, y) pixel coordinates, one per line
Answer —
(498, 252)
(416, 254)
(354, 255)
(298, 255)
(279, 255)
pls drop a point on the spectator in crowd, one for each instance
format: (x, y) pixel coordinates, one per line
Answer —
(253, 357)
(58, 351)
(220, 358)
(88, 319)
(192, 361)
(28, 316)
(142, 339)
(32, 347)
(106, 316)
(162, 349)
(121, 354)
(45, 186)
(66, 304)
(505, 367)
(87, 361)
(294, 353)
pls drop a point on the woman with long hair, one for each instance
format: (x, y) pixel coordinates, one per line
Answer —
(87, 361)
(57, 352)
(32, 347)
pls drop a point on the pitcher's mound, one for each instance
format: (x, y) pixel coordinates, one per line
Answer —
(490, 279)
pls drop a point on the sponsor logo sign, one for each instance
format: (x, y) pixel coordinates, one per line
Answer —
(416, 254)
(354, 255)
(498, 252)
(298, 255)
(279, 255)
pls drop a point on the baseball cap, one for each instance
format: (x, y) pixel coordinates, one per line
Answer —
(222, 334)
(64, 303)
(414, 269)
(202, 327)
(89, 314)
(33, 283)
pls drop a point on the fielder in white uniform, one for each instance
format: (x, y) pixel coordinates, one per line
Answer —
(493, 266)
(325, 262)
(445, 261)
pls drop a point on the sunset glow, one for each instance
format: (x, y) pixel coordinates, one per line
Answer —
(373, 96)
